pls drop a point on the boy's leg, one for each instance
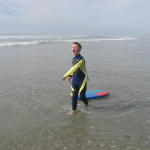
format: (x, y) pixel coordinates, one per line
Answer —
(74, 102)
(75, 91)
(83, 96)
(74, 99)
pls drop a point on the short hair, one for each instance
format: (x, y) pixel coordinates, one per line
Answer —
(79, 45)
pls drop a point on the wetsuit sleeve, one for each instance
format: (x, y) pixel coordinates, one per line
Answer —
(74, 68)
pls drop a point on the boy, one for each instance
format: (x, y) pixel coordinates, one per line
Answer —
(78, 76)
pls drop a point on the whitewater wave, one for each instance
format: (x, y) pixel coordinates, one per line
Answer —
(97, 39)
(24, 40)
(22, 43)
(39, 36)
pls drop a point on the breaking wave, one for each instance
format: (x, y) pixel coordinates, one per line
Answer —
(24, 40)
(24, 43)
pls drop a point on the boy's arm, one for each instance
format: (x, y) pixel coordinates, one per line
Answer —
(73, 69)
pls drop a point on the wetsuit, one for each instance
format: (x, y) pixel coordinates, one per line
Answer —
(79, 80)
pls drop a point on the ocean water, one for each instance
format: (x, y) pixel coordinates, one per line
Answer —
(34, 102)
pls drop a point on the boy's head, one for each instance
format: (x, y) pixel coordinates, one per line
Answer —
(76, 48)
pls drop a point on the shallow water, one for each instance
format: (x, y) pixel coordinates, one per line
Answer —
(34, 102)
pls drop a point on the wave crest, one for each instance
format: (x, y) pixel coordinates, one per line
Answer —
(22, 43)
(24, 40)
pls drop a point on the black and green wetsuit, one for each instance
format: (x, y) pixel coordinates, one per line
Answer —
(79, 80)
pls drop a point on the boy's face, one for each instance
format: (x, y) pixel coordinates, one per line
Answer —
(75, 49)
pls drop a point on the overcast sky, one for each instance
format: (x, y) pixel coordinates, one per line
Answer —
(78, 17)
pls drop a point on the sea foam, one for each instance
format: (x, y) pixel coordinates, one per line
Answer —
(24, 40)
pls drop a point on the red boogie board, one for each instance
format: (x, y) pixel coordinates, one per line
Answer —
(93, 94)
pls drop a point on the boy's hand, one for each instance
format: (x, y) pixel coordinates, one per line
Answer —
(69, 78)
(66, 78)
(63, 78)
